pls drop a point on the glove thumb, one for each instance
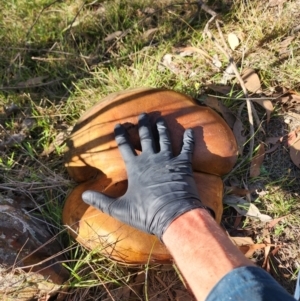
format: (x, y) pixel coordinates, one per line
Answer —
(98, 200)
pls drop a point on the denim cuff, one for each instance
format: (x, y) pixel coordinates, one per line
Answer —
(248, 283)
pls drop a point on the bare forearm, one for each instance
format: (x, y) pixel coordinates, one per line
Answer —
(202, 251)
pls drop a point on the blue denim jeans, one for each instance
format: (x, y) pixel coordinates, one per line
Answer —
(248, 283)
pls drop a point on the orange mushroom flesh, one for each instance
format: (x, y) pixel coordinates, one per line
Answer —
(94, 159)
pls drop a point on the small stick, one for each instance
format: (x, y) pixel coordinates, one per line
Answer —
(31, 86)
(256, 118)
(127, 31)
(243, 98)
(77, 14)
(38, 17)
(207, 9)
(225, 50)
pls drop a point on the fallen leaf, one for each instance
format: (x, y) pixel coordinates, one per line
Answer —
(241, 232)
(292, 137)
(167, 61)
(241, 241)
(252, 81)
(289, 100)
(261, 191)
(45, 297)
(296, 29)
(190, 50)
(28, 123)
(276, 91)
(294, 146)
(294, 115)
(228, 74)
(286, 42)
(13, 140)
(273, 148)
(233, 41)
(254, 212)
(11, 109)
(275, 251)
(186, 51)
(249, 250)
(257, 161)
(216, 61)
(237, 221)
(267, 105)
(217, 105)
(33, 81)
(112, 36)
(220, 88)
(245, 208)
(149, 10)
(275, 221)
(149, 34)
(273, 140)
(72, 25)
(236, 190)
(295, 98)
(284, 99)
(247, 246)
(238, 130)
(276, 141)
(57, 142)
(267, 240)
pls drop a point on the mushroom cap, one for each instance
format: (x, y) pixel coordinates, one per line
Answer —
(98, 231)
(92, 148)
(94, 159)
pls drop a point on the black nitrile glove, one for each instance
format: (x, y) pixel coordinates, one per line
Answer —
(161, 187)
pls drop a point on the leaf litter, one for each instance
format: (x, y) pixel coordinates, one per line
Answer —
(233, 40)
(247, 246)
(274, 143)
(267, 105)
(217, 105)
(245, 208)
(257, 161)
(287, 99)
(236, 190)
(241, 138)
(294, 146)
(252, 81)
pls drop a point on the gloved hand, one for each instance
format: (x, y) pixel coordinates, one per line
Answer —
(161, 187)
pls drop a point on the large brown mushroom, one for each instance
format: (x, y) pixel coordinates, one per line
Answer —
(94, 159)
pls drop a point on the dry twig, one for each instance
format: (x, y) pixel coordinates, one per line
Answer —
(38, 17)
(225, 50)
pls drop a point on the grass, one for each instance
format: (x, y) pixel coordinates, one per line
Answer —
(56, 63)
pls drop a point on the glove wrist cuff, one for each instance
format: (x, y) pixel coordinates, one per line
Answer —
(177, 213)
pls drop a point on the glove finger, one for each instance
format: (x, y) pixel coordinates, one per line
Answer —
(164, 137)
(126, 149)
(116, 208)
(188, 145)
(145, 133)
(98, 200)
